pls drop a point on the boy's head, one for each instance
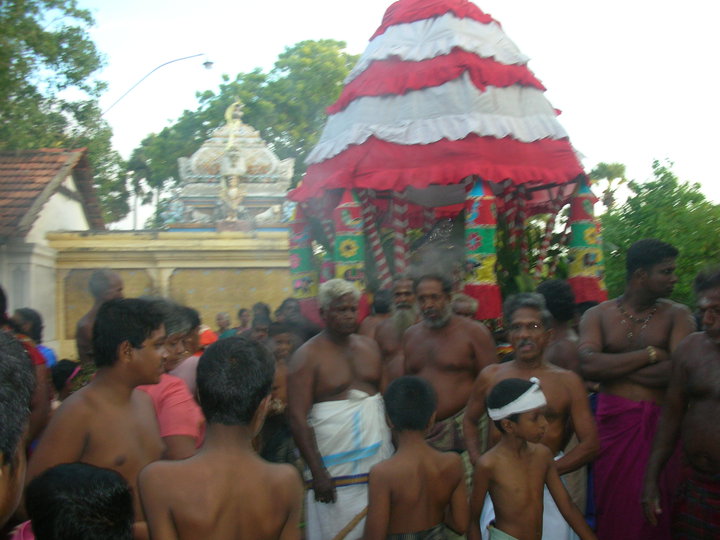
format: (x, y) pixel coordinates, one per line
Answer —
(17, 383)
(63, 373)
(77, 500)
(410, 403)
(234, 376)
(282, 340)
(508, 402)
(118, 321)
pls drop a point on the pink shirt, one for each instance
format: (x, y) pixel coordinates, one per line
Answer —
(176, 410)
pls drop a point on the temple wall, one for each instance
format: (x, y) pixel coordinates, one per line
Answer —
(208, 271)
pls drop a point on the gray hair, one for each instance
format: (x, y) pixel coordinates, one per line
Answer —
(175, 318)
(527, 300)
(333, 289)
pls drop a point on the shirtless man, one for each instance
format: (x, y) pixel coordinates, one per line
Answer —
(562, 349)
(625, 345)
(336, 414)
(104, 285)
(449, 351)
(692, 404)
(226, 490)
(382, 303)
(389, 332)
(108, 423)
(529, 327)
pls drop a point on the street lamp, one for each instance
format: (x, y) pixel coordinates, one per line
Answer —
(207, 64)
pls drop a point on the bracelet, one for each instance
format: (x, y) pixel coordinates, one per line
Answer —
(652, 354)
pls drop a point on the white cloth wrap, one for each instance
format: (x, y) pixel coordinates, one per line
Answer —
(554, 525)
(533, 398)
(450, 111)
(352, 436)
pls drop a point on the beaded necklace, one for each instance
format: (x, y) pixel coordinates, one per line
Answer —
(635, 320)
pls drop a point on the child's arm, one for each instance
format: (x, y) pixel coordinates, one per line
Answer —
(481, 481)
(567, 508)
(378, 517)
(457, 513)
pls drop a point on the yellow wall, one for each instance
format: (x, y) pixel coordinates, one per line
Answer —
(208, 271)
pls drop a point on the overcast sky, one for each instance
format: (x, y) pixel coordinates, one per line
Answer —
(635, 79)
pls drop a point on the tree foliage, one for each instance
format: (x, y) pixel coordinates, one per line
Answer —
(287, 105)
(48, 93)
(614, 176)
(670, 210)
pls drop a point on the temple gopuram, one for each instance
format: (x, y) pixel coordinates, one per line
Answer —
(233, 182)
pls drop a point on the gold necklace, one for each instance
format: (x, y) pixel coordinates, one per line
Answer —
(635, 320)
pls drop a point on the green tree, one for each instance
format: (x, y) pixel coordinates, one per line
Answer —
(287, 105)
(670, 210)
(48, 92)
(614, 175)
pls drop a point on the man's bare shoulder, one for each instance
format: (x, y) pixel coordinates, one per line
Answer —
(416, 329)
(673, 306)
(690, 345)
(493, 371)
(306, 353)
(473, 327)
(79, 406)
(359, 340)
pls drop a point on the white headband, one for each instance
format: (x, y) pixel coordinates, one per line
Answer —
(533, 398)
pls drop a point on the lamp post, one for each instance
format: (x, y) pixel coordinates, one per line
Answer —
(207, 64)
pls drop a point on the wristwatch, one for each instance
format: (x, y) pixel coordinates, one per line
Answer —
(652, 354)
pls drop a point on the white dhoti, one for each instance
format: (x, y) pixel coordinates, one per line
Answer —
(554, 525)
(352, 436)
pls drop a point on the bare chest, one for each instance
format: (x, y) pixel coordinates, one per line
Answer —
(623, 334)
(123, 441)
(344, 368)
(446, 351)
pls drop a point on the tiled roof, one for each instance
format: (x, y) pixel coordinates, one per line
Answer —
(28, 179)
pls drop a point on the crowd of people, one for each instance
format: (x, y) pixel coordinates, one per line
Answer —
(415, 422)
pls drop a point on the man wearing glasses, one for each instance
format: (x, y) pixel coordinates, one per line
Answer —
(529, 328)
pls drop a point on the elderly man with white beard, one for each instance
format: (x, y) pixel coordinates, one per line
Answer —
(389, 332)
(449, 351)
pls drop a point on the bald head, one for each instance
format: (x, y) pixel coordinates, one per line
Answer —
(105, 285)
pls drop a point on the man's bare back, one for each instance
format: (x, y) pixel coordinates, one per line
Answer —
(450, 358)
(567, 410)
(221, 495)
(619, 344)
(90, 428)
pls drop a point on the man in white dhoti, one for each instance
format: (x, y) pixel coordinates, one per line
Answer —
(337, 416)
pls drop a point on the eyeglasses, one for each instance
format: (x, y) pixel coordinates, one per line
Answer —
(530, 327)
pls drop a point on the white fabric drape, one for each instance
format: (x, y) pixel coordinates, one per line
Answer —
(429, 38)
(450, 111)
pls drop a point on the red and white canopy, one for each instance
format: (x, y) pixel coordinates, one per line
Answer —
(440, 94)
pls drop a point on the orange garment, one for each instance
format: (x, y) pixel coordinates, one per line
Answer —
(176, 410)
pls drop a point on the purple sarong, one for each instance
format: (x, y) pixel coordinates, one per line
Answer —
(626, 429)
